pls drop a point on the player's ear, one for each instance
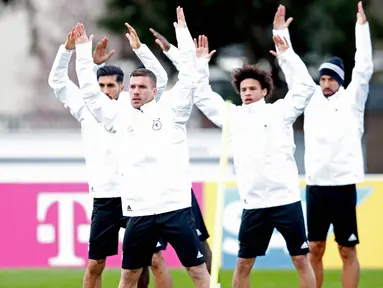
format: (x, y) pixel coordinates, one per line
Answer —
(264, 92)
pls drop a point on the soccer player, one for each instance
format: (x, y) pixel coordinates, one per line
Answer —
(333, 129)
(174, 54)
(263, 146)
(100, 147)
(156, 195)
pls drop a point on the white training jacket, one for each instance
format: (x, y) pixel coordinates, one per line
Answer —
(334, 126)
(151, 140)
(262, 137)
(100, 147)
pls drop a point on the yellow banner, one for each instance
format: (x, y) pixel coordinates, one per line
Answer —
(370, 227)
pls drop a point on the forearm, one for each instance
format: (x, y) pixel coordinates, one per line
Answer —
(151, 62)
(174, 55)
(210, 103)
(58, 76)
(284, 33)
(187, 75)
(103, 109)
(363, 56)
(304, 86)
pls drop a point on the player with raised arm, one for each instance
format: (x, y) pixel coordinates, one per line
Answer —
(156, 195)
(333, 127)
(262, 140)
(174, 54)
(101, 160)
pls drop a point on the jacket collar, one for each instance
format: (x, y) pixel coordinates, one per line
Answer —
(254, 106)
(335, 96)
(150, 106)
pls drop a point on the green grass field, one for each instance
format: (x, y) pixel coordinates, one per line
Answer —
(61, 278)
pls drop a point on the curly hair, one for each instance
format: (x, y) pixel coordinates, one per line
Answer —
(253, 72)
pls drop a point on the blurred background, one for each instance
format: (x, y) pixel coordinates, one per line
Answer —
(41, 153)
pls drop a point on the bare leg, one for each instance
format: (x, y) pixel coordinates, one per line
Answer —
(317, 249)
(129, 278)
(241, 278)
(143, 281)
(92, 277)
(305, 271)
(199, 275)
(161, 274)
(351, 268)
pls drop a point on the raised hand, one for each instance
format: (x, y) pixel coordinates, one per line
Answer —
(80, 34)
(280, 22)
(181, 22)
(160, 40)
(133, 38)
(70, 43)
(281, 44)
(202, 47)
(361, 16)
(100, 54)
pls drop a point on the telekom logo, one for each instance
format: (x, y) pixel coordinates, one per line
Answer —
(66, 226)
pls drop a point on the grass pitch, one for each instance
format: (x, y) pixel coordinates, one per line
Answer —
(68, 278)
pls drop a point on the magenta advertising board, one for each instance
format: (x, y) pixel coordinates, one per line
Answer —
(47, 225)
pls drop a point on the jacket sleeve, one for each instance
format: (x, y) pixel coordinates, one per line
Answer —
(105, 111)
(284, 33)
(174, 55)
(181, 94)
(151, 62)
(64, 89)
(210, 103)
(302, 89)
(361, 74)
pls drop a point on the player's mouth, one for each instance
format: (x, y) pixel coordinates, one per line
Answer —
(327, 92)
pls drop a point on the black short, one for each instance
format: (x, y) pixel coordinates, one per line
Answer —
(201, 229)
(335, 205)
(107, 219)
(257, 227)
(202, 232)
(176, 227)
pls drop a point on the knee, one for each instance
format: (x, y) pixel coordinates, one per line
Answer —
(197, 272)
(348, 254)
(244, 266)
(130, 276)
(317, 249)
(301, 262)
(157, 261)
(95, 267)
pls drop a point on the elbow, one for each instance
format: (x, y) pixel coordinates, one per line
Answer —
(52, 82)
(310, 93)
(311, 88)
(164, 79)
(369, 71)
(90, 92)
(56, 84)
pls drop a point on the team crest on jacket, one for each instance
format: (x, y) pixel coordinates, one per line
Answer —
(157, 125)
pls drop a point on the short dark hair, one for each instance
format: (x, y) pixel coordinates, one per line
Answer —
(253, 72)
(143, 72)
(111, 70)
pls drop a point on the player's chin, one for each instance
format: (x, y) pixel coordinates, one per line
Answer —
(136, 105)
(328, 93)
